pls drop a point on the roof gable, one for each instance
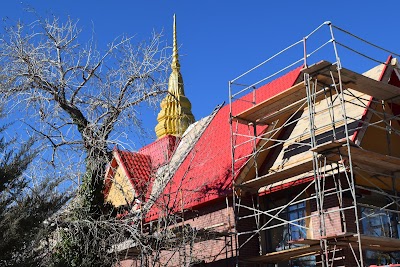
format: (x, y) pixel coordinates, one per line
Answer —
(127, 177)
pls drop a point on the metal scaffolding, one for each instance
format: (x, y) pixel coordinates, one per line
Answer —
(307, 140)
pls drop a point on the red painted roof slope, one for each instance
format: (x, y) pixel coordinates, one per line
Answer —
(161, 150)
(205, 174)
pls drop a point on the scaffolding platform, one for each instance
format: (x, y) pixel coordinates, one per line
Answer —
(368, 160)
(325, 127)
(310, 247)
(287, 254)
(277, 176)
(377, 243)
(333, 151)
(289, 101)
(323, 71)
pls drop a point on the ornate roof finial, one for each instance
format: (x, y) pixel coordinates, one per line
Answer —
(176, 110)
(175, 56)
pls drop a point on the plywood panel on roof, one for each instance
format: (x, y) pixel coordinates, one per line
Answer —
(295, 158)
(389, 139)
(329, 125)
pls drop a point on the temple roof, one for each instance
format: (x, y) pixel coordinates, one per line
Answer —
(197, 169)
(205, 173)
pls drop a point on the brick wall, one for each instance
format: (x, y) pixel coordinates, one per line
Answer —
(252, 247)
(209, 249)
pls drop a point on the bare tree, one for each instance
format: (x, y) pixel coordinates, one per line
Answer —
(168, 239)
(80, 101)
(75, 95)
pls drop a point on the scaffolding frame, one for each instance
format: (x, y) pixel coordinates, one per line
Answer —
(333, 158)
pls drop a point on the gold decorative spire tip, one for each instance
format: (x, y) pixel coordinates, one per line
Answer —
(175, 115)
(175, 57)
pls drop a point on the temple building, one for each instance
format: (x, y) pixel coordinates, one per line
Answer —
(299, 169)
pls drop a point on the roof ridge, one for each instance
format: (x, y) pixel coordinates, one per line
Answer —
(171, 173)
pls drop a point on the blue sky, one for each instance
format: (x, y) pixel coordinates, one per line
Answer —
(221, 39)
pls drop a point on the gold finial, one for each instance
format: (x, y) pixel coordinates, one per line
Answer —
(175, 115)
(175, 57)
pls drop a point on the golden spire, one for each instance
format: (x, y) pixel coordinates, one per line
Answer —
(175, 115)
(175, 56)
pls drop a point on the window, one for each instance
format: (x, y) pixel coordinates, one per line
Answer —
(294, 231)
(382, 223)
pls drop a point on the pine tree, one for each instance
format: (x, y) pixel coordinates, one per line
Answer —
(23, 207)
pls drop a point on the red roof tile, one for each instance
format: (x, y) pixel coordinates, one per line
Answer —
(161, 150)
(137, 168)
(205, 174)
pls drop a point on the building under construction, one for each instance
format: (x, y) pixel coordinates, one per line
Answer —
(324, 165)
(300, 169)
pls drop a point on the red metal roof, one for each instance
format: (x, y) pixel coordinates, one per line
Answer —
(205, 174)
(161, 150)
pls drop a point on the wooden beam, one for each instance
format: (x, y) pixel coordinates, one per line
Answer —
(274, 103)
(305, 241)
(291, 99)
(350, 79)
(378, 243)
(367, 160)
(277, 176)
(333, 151)
(286, 254)
(328, 146)
(290, 108)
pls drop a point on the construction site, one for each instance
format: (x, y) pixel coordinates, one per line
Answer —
(323, 170)
(301, 168)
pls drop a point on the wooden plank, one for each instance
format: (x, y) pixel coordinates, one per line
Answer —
(355, 81)
(380, 241)
(274, 104)
(367, 160)
(328, 146)
(343, 240)
(305, 241)
(278, 175)
(377, 243)
(317, 67)
(286, 254)
(289, 109)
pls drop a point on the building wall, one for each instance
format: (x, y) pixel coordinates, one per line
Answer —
(211, 250)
